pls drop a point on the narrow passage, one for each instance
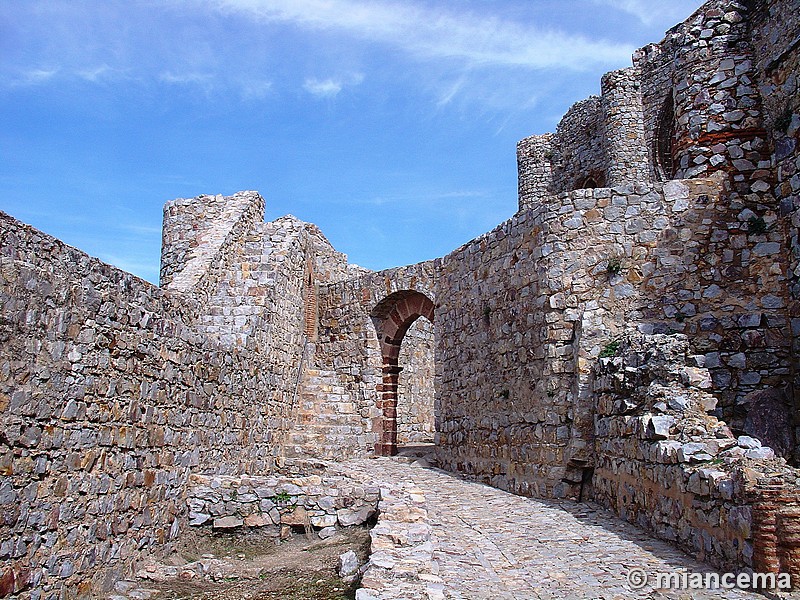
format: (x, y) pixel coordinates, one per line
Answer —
(490, 544)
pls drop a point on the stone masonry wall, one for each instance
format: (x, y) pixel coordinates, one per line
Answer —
(415, 413)
(776, 33)
(664, 464)
(722, 267)
(578, 148)
(109, 401)
(525, 309)
(534, 169)
(623, 128)
(348, 347)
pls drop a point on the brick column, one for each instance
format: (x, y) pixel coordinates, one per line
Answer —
(776, 530)
(387, 444)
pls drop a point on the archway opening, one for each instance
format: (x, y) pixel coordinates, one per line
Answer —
(393, 317)
(415, 386)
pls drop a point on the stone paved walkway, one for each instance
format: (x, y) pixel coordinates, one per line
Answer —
(492, 544)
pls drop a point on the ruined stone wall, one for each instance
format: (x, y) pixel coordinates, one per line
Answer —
(714, 279)
(704, 68)
(664, 464)
(521, 311)
(707, 68)
(109, 401)
(578, 148)
(525, 309)
(600, 142)
(415, 414)
(199, 234)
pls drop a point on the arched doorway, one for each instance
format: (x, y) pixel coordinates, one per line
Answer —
(393, 316)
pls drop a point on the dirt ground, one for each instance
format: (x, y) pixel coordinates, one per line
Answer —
(257, 567)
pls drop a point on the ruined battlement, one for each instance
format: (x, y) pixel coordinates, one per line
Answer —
(630, 335)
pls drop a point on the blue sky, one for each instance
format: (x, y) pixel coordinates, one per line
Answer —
(391, 124)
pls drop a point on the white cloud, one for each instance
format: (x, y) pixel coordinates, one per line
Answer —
(329, 88)
(326, 88)
(255, 89)
(35, 76)
(649, 12)
(447, 96)
(437, 34)
(185, 78)
(95, 73)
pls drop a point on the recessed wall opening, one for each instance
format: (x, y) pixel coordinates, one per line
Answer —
(664, 141)
(394, 317)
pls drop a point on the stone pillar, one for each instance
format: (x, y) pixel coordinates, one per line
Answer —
(534, 170)
(626, 148)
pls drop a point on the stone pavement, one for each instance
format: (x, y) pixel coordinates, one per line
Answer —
(488, 543)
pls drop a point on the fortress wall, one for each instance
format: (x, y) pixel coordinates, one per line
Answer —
(525, 310)
(348, 346)
(578, 148)
(198, 234)
(109, 401)
(776, 40)
(705, 66)
(712, 279)
(523, 313)
(185, 222)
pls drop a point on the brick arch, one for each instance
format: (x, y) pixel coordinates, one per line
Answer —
(392, 317)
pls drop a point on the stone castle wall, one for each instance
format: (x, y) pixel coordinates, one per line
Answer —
(110, 400)
(666, 465)
(264, 347)
(524, 311)
(114, 391)
(775, 33)
(349, 348)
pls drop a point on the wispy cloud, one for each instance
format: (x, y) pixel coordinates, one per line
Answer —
(448, 94)
(254, 88)
(649, 12)
(186, 78)
(96, 73)
(326, 88)
(330, 87)
(430, 33)
(35, 76)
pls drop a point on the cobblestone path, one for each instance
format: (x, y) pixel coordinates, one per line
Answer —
(492, 544)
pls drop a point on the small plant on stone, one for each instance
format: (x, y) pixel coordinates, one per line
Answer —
(756, 225)
(282, 498)
(610, 349)
(505, 394)
(614, 266)
(680, 317)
